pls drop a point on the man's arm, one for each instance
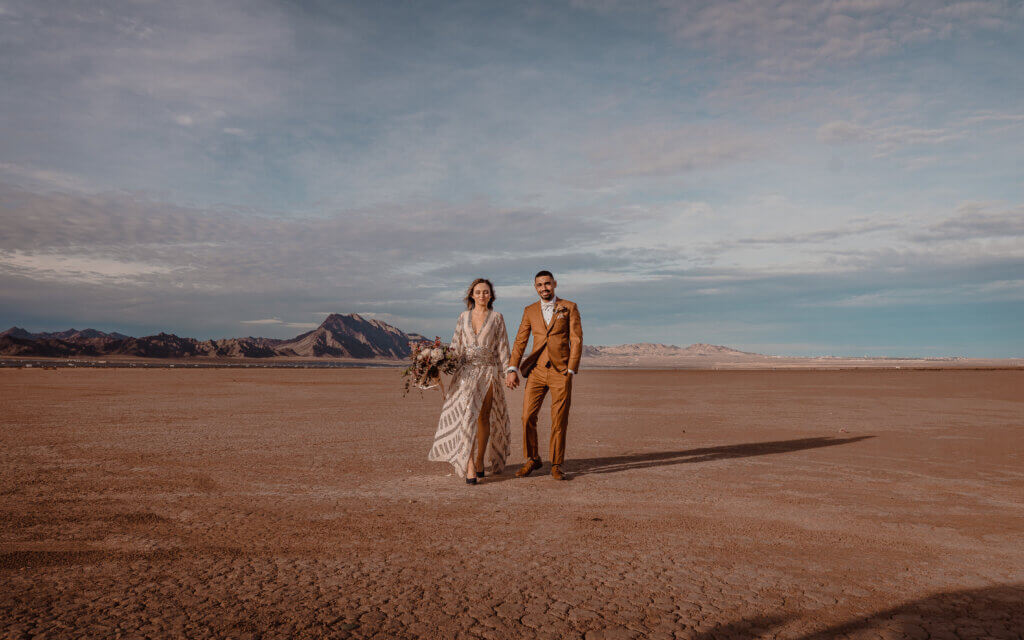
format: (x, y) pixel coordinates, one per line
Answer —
(522, 337)
(519, 346)
(575, 340)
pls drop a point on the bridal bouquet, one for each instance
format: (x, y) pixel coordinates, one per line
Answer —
(429, 361)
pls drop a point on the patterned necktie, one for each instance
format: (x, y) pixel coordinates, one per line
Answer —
(548, 309)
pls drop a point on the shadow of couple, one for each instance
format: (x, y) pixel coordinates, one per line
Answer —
(615, 464)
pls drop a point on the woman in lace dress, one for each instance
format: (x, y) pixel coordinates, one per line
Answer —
(473, 430)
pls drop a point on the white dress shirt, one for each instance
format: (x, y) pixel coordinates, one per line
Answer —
(547, 309)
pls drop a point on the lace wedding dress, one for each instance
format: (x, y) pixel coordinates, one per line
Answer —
(486, 354)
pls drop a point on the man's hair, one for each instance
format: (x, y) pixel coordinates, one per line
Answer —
(544, 272)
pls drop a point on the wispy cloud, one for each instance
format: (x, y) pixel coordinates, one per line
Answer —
(885, 139)
(80, 268)
(998, 118)
(823, 235)
(660, 151)
(282, 323)
(787, 36)
(977, 220)
(1001, 291)
(43, 178)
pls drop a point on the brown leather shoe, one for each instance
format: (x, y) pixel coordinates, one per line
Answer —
(556, 472)
(531, 465)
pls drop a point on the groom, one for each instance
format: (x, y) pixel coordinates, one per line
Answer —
(557, 347)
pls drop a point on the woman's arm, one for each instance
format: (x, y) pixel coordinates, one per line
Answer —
(457, 336)
(503, 352)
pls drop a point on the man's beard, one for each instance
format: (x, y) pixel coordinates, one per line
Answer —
(548, 296)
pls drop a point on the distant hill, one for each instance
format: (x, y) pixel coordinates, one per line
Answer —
(88, 342)
(70, 334)
(339, 336)
(649, 349)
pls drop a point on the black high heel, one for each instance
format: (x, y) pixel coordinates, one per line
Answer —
(470, 480)
(479, 474)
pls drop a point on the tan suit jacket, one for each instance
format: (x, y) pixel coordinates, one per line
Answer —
(560, 343)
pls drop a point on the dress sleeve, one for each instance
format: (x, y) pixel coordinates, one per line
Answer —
(503, 352)
(457, 336)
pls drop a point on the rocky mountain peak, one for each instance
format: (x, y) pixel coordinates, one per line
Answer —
(17, 332)
(349, 336)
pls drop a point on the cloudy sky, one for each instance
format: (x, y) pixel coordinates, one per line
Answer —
(800, 177)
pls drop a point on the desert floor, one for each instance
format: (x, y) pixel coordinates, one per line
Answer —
(299, 503)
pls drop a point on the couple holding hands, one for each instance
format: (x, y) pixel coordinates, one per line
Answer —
(473, 432)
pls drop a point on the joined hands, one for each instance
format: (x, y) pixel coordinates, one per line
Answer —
(511, 380)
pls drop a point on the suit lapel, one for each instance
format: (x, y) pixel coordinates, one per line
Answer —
(553, 316)
(538, 315)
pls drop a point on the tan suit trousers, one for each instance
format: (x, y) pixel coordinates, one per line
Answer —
(541, 380)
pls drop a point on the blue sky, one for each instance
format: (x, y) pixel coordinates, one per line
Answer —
(797, 177)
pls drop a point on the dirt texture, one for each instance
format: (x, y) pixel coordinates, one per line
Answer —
(278, 503)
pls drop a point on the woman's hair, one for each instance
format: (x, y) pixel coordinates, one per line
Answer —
(469, 293)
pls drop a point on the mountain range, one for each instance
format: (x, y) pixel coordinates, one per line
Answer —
(338, 336)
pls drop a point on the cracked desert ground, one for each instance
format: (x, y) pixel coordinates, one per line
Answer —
(278, 503)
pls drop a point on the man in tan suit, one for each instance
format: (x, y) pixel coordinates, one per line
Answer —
(557, 348)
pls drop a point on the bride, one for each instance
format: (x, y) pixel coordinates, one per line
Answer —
(473, 430)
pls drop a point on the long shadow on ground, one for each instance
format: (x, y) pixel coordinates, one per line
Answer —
(615, 464)
(993, 612)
